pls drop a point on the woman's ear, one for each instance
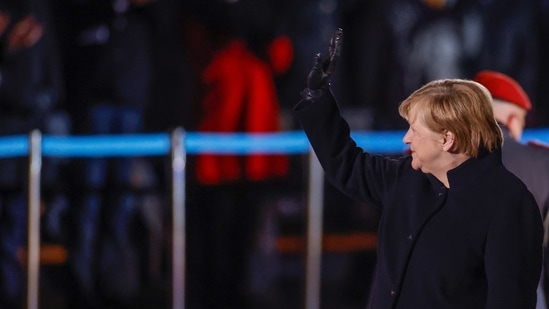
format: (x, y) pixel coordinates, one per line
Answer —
(448, 139)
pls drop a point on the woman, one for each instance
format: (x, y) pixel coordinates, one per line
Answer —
(457, 230)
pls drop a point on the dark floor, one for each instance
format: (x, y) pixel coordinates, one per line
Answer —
(345, 286)
(276, 278)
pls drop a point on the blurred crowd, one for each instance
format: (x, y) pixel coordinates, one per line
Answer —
(135, 66)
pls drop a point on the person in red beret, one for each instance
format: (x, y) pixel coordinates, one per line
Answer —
(511, 105)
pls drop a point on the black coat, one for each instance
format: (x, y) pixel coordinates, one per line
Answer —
(475, 245)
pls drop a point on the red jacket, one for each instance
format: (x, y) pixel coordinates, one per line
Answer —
(241, 98)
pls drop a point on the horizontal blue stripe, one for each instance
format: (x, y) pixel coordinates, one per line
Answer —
(106, 145)
(537, 135)
(158, 144)
(240, 143)
(14, 146)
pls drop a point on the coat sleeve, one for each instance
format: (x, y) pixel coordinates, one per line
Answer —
(360, 175)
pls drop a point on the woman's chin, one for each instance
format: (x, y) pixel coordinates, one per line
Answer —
(416, 166)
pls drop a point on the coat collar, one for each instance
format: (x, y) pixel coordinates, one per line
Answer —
(470, 171)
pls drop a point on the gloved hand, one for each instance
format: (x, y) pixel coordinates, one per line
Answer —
(318, 80)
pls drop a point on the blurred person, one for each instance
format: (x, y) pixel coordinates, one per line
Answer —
(457, 229)
(368, 63)
(510, 44)
(108, 48)
(236, 59)
(432, 39)
(531, 164)
(31, 96)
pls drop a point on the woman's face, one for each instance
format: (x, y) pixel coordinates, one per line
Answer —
(426, 146)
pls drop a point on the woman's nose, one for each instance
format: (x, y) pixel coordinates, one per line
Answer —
(406, 138)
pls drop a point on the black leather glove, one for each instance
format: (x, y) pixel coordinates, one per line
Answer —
(318, 80)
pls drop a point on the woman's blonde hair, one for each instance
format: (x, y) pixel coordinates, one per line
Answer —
(463, 107)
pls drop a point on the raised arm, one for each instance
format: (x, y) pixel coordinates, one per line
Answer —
(360, 175)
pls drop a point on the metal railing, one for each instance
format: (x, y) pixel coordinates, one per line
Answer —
(178, 145)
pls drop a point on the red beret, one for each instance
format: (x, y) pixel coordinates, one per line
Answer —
(504, 88)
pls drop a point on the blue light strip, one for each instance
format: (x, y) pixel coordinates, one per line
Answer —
(158, 144)
(537, 135)
(381, 142)
(14, 146)
(106, 145)
(240, 143)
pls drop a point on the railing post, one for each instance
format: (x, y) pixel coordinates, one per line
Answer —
(178, 158)
(314, 233)
(33, 240)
